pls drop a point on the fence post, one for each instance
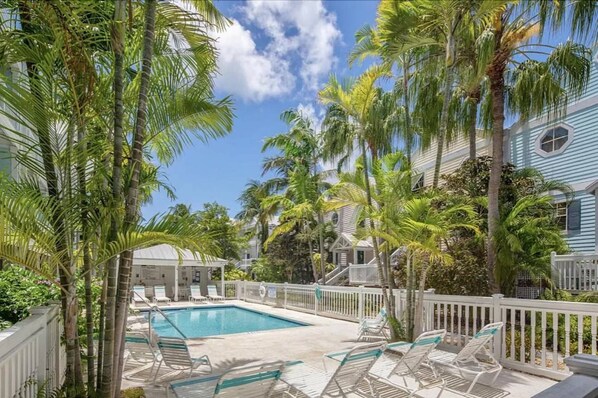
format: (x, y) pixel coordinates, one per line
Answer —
(360, 303)
(554, 272)
(497, 317)
(399, 304)
(238, 290)
(285, 295)
(42, 340)
(245, 290)
(429, 320)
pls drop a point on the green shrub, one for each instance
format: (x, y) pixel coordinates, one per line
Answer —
(20, 290)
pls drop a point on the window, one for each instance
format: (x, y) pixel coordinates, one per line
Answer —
(568, 215)
(334, 218)
(360, 257)
(417, 182)
(554, 140)
(560, 213)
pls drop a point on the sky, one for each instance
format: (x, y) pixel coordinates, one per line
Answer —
(275, 56)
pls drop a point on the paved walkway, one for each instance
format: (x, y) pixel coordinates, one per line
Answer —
(309, 343)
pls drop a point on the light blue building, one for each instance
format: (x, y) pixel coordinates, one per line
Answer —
(565, 148)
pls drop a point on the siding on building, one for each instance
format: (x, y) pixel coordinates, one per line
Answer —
(577, 165)
(455, 153)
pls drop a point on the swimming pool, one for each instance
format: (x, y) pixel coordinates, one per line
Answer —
(211, 321)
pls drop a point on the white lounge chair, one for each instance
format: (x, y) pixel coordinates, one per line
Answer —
(175, 355)
(465, 361)
(139, 349)
(139, 295)
(195, 295)
(160, 294)
(374, 327)
(213, 293)
(255, 381)
(409, 364)
(353, 368)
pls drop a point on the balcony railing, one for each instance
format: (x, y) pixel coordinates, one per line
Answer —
(575, 272)
(363, 274)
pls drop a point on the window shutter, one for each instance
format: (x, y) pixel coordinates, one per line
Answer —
(5, 161)
(574, 215)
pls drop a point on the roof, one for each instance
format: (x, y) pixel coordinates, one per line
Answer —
(347, 239)
(167, 255)
(593, 188)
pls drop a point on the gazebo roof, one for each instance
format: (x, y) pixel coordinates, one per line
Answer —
(167, 255)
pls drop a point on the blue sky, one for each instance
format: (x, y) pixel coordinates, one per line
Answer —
(274, 57)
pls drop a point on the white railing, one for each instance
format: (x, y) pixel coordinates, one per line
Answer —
(363, 274)
(537, 335)
(575, 272)
(31, 356)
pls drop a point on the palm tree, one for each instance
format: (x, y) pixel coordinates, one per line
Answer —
(511, 63)
(298, 163)
(353, 102)
(252, 210)
(391, 186)
(302, 206)
(420, 225)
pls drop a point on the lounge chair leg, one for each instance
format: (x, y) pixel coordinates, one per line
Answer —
(475, 380)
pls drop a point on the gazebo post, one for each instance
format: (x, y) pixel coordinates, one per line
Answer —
(222, 279)
(176, 283)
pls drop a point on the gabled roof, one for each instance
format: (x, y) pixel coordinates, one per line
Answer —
(348, 241)
(592, 188)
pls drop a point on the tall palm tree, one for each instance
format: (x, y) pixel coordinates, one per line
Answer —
(537, 76)
(298, 161)
(353, 102)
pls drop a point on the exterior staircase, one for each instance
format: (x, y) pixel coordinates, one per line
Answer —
(337, 277)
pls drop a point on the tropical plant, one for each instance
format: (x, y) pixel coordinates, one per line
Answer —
(297, 166)
(252, 211)
(536, 76)
(79, 104)
(420, 226)
(390, 186)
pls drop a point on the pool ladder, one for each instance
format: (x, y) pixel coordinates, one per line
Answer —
(153, 308)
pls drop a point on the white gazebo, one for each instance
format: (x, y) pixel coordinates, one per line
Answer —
(165, 265)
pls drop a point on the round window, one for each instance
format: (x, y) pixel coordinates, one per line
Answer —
(334, 218)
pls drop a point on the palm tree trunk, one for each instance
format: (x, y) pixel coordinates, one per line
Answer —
(419, 308)
(448, 82)
(106, 389)
(101, 329)
(408, 132)
(451, 47)
(74, 376)
(322, 250)
(314, 266)
(132, 199)
(389, 306)
(497, 88)
(87, 269)
(474, 100)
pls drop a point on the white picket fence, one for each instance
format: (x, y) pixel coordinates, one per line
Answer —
(575, 272)
(536, 338)
(31, 356)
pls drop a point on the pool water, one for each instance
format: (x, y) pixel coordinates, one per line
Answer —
(212, 321)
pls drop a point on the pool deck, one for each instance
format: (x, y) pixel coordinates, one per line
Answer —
(309, 343)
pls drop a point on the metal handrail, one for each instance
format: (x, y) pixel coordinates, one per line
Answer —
(156, 308)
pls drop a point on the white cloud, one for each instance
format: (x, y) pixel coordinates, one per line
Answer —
(296, 44)
(302, 28)
(247, 72)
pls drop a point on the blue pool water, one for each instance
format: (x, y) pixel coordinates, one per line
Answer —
(212, 321)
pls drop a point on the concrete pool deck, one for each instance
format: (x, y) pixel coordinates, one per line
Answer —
(309, 343)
